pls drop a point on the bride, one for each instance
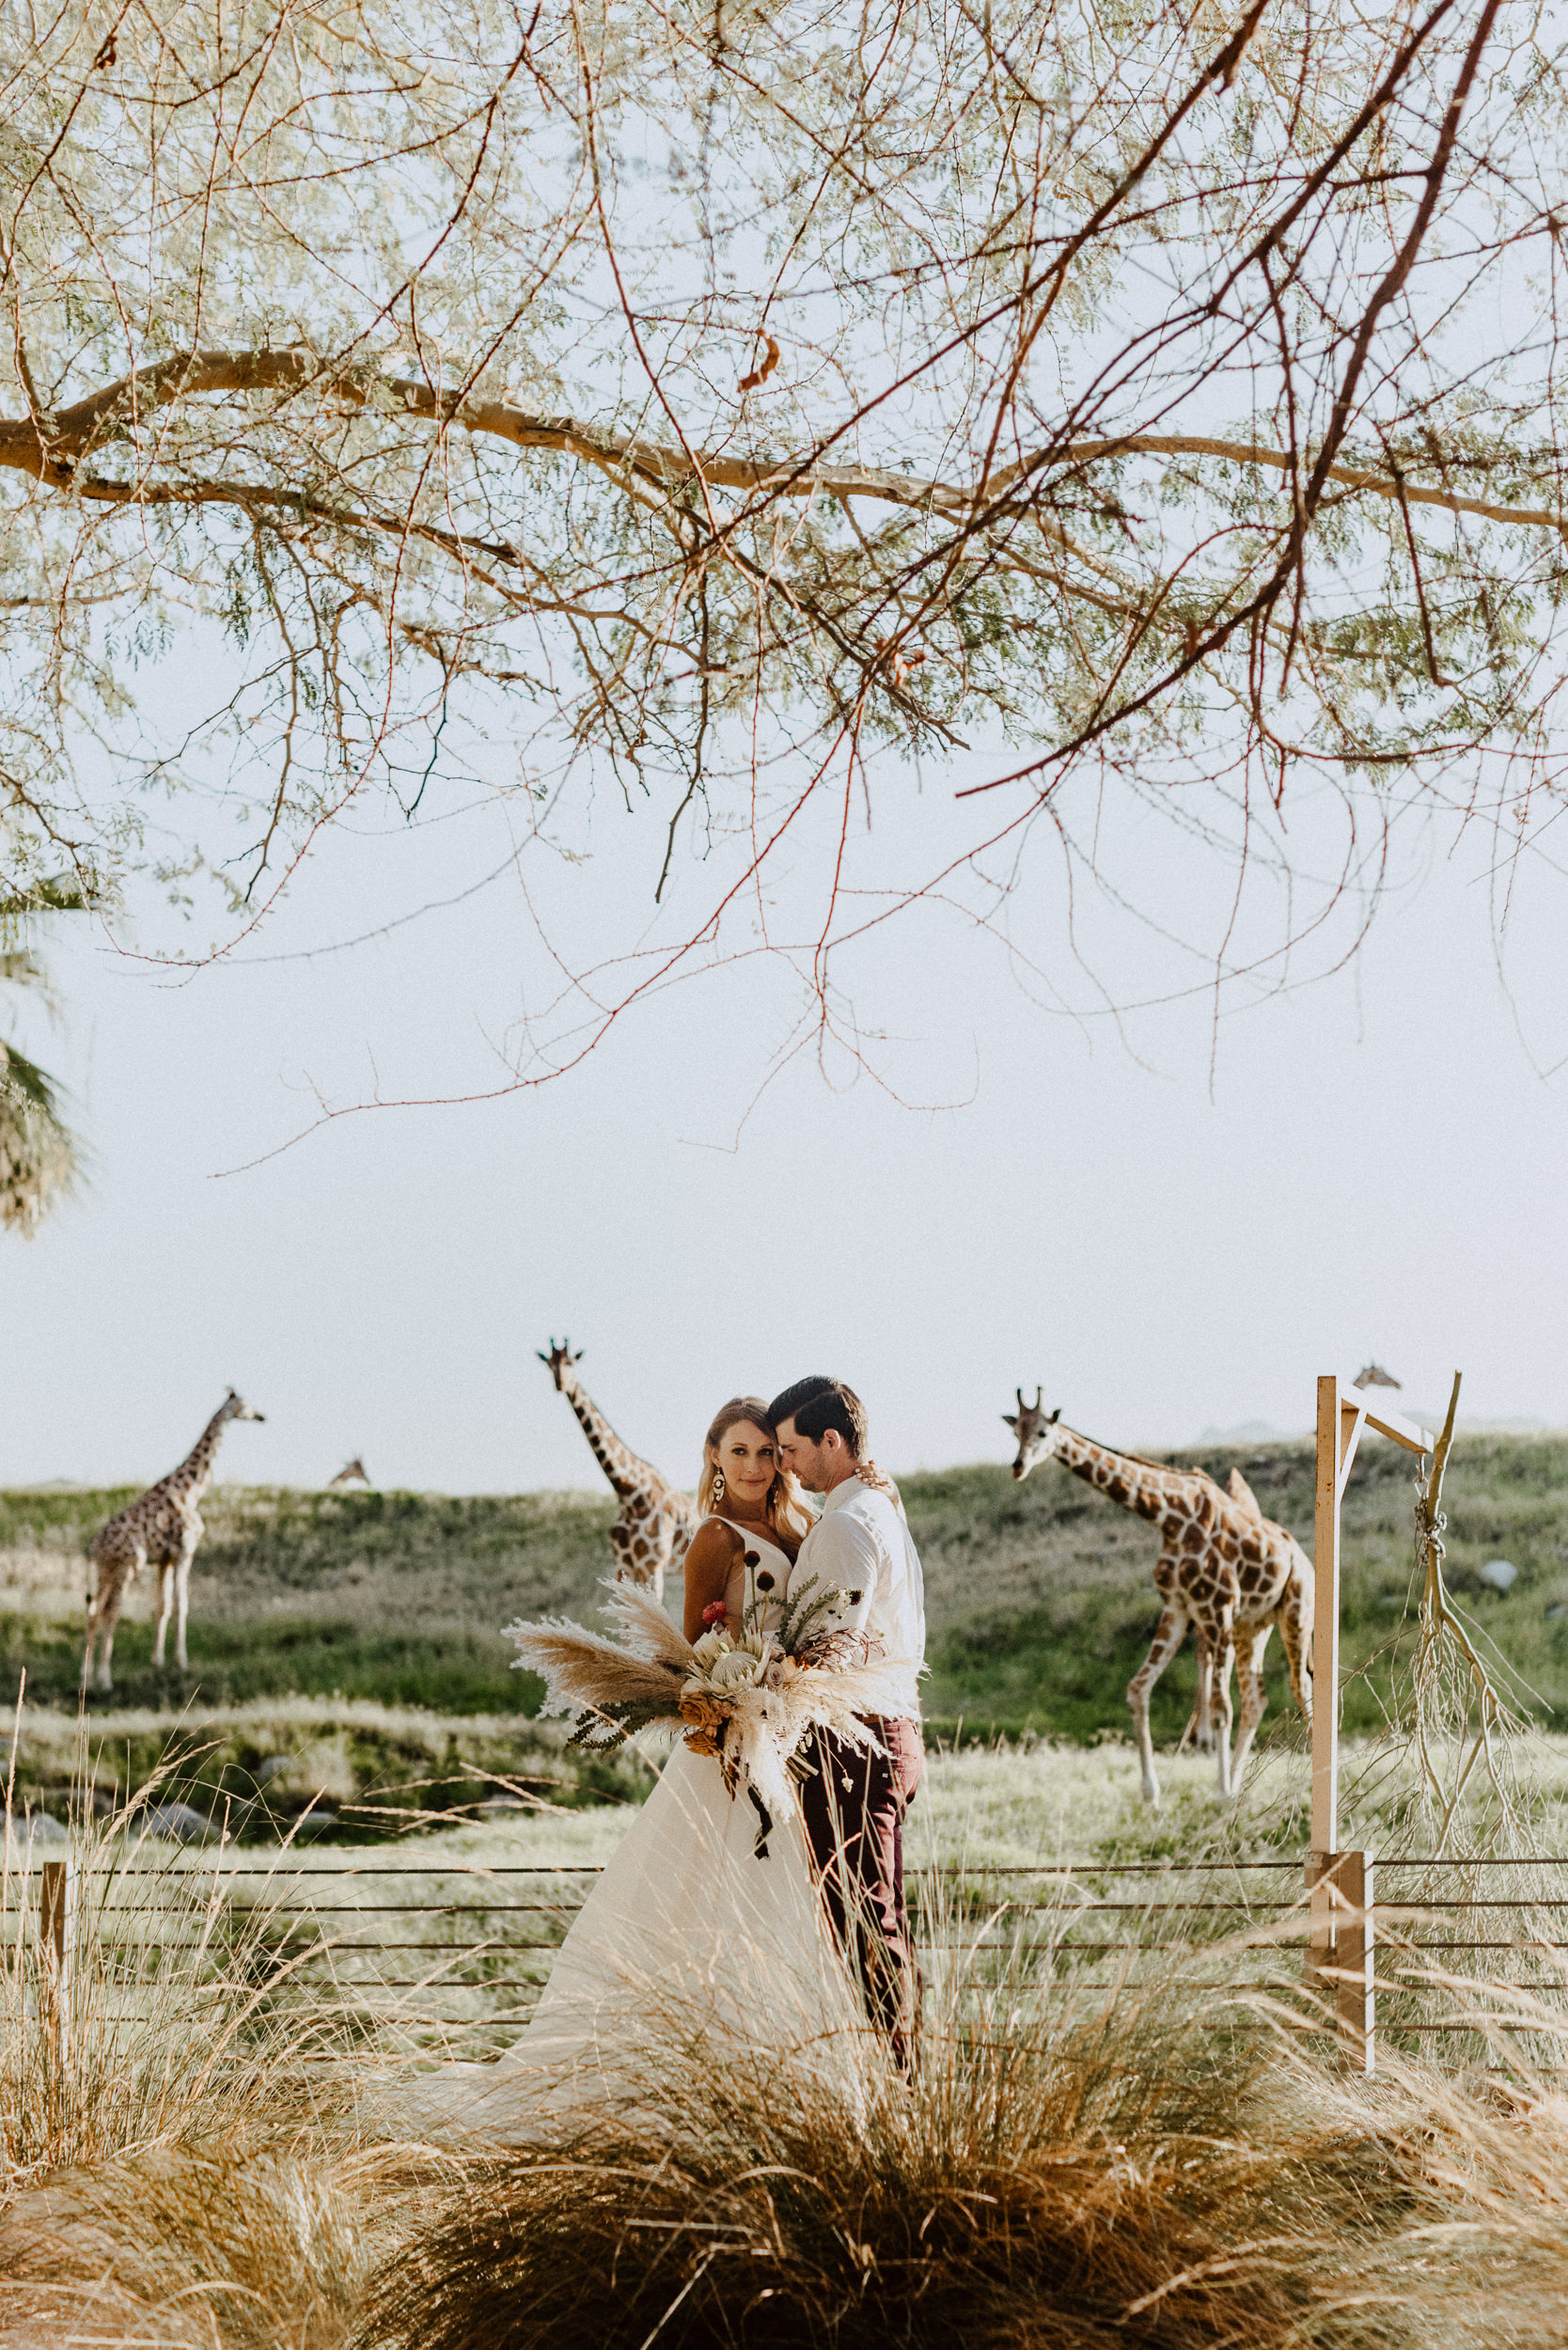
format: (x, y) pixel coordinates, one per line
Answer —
(699, 1925)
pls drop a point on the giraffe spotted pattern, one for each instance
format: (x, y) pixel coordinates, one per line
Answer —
(1225, 1568)
(656, 1520)
(161, 1531)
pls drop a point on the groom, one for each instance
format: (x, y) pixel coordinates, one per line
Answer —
(855, 1802)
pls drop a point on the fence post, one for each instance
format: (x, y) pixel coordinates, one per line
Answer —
(1333, 1459)
(1356, 1969)
(56, 1941)
(1341, 1948)
(1340, 1884)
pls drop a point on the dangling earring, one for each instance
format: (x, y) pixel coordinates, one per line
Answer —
(718, 1488)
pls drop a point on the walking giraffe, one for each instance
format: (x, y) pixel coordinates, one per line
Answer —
(1223, 1567)
(162, 1529)
(655, 1518)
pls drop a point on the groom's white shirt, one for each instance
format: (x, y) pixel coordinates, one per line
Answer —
(861, 1542)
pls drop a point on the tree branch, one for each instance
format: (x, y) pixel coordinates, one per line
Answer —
(113, 414)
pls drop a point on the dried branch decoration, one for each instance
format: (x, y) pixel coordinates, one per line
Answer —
(1455, 1698)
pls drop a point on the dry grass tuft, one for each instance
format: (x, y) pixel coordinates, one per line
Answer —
(246, 2248)
(1135, 2175)
(177, 2016)
(1079, 2164)
(176, 2158)
(1155, 2167)
(623, 2245)
(1078, 2198)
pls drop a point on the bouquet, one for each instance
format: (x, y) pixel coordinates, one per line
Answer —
(749, 1696)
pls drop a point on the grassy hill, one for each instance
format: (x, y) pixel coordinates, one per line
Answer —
(1038, 1594)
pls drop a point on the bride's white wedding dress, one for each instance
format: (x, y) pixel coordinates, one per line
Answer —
(704, 1937)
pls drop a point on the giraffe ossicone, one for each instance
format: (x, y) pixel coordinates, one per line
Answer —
(161, 1529)
(1225, 1568)
(656, 1520)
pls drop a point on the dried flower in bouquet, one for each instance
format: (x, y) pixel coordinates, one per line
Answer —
(748, 1699)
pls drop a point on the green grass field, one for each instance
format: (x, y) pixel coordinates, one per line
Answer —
(1040, 1596)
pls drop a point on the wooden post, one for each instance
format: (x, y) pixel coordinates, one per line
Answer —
(1340, 1955)
(56, 1941)
(1325, 1621)
(1355, 1961)
(1341, 1950)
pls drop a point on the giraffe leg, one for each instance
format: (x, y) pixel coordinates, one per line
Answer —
(1254, 1701)
(183, 1606)
(1220, 1713)
(1294, 1641)
(1201, 1730)
(108, 1617)
(165, 1601)
(1172, 1631)
(110, 1580)
(94, 1611)
(93, 1597)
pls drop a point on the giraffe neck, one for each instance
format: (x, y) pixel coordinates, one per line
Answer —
(1169, 1496)
(190, 1480)
(620, 1465)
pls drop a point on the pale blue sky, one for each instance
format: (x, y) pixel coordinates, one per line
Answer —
(1378, 1172)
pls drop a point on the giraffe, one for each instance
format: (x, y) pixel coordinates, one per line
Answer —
(654, 1519)
(1223, 1567)
(162, 1529)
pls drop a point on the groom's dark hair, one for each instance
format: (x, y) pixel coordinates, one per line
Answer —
(818, 1404)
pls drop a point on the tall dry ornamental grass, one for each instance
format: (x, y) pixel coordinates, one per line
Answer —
(179, 2018)
(1160, 2166)
(175, 2166)
(233, 2245)
(1157, 2163)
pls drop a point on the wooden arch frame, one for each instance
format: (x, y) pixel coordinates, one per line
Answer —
(1340, 1946)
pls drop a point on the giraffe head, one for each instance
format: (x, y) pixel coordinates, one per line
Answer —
(235, 1407)
(559, 1360)
(1035, 1429)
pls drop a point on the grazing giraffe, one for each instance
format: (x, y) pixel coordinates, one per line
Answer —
(655, 1519)
(162, 1529)
(352, 1473)
(1223, 1567)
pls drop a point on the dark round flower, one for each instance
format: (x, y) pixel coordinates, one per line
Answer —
(751, 1556)
(764, 1581)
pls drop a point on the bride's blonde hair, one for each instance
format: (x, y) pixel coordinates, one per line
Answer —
(785, 1508)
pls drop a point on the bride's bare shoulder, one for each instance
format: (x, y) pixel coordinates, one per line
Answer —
(715, 1543)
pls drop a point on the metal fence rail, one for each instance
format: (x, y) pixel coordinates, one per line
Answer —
(465, 1947)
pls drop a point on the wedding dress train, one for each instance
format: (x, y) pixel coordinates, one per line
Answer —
(705, 1936)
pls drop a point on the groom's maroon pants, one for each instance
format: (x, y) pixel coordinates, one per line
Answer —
(854, 1805)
